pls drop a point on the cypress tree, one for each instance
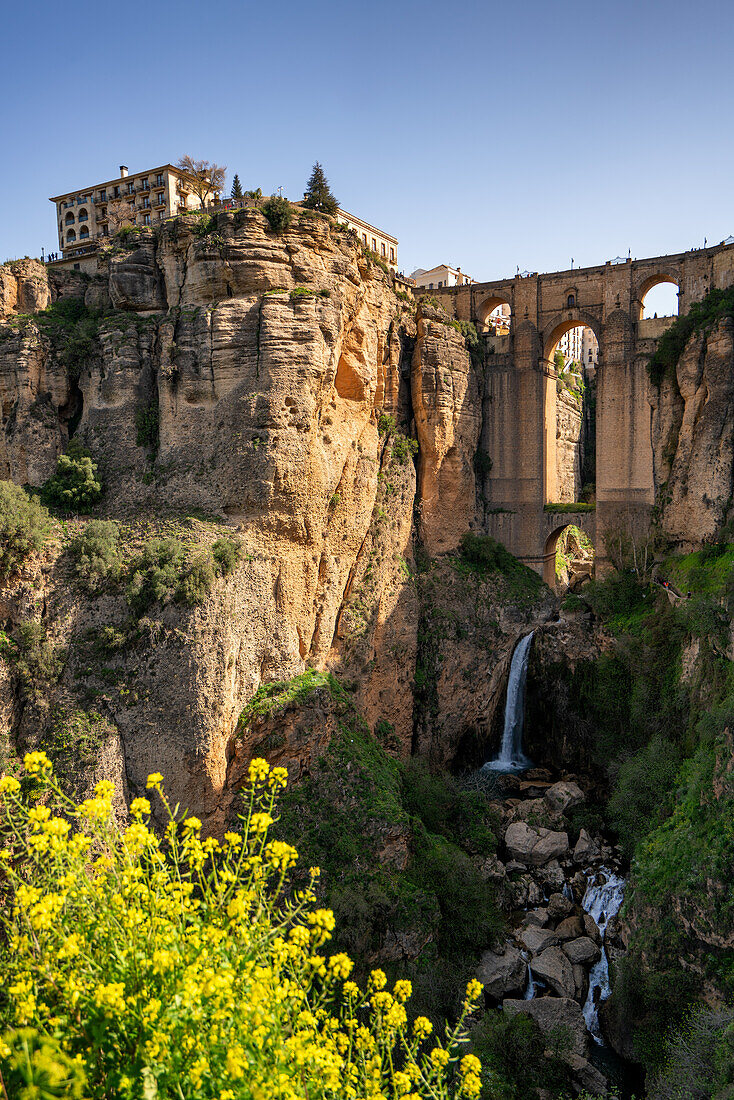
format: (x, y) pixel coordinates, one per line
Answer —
(318, 194)
(236, 192)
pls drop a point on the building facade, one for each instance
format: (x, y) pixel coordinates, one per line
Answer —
(87, 215)
(382, 244)
(439, 277)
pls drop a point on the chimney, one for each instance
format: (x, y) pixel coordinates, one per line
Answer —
(123, 170)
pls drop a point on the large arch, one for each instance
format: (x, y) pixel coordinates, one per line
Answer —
(646, 286)
(559, 326)
(488, 306)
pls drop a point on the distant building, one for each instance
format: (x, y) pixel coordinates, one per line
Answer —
(382, 244)
(89, 214)
(579, 345)
(438, 277)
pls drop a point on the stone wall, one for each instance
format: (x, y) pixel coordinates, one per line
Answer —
(569, 446)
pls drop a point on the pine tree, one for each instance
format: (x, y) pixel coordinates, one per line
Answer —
(318, 194)
(236, 192)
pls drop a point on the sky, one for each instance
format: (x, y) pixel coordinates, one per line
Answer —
(491, 137)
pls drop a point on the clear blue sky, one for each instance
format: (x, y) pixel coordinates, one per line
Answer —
(481, 134)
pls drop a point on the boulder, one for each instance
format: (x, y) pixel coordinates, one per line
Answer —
(538, 917)
(582, 951)
(591, 928)
(553, 1012)
(552, 967)
(550, 846)
(581, 977)
(492, 869)
(525, 893)
(586, 849)
(502, 972)
(552, 876)
(564, 796)
(537, 939)
(587, 1076)
(559, 907)
(520, 840)
(570, 928)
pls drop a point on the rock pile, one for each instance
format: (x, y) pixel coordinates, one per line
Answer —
(543, 968)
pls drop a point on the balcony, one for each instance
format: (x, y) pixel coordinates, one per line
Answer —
(144, 187)
(160, 201)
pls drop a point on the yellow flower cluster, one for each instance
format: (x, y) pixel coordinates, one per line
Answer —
(162, 960)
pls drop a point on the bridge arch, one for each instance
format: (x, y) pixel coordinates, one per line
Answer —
(652, 281)
(559, 326)
(488, 306)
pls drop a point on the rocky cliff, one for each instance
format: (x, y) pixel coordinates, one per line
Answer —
(227, 378)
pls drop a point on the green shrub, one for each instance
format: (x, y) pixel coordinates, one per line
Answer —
(386, 424)
(197, 579)
(519, 1059)
(147, 424)
(39, 663)
(96, 553)
(643, 792)
(278, 212)
(75, 486)
(227, 554)
(403, 448)
(24, 526)
(701, 317)
(699, 1059)
(34, 1067)
(156, 574)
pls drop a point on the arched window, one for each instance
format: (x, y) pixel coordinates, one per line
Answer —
(83, 216)
(69, 219)
(70, 236)
(83, 233)
(571, 301)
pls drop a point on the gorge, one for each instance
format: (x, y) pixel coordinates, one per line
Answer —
(303, 561)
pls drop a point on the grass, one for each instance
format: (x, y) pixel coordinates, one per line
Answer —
(574, 506)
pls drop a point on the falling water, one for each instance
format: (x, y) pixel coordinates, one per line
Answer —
(511, 757)
(602, 902)
(532, 987)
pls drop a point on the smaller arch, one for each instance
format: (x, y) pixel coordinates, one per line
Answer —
(69, 219)
(83, 233)
(82, 216)
(558, 329)
(659, 279)
(70, 236)
(489, 306)
(551, 544)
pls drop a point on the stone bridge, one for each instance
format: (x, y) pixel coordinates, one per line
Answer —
(519, 432)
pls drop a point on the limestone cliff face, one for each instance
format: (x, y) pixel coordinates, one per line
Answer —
(272, 368)
(693, 437)
(569, 447)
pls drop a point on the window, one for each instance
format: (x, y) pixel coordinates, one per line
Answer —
(77, 267)
(131, 189)
(364, 238)
(83, 233)
(384, 250)
(69, 218)
(146, 219)
(105, 231)
(146, 202)
(440, 284)
(374, 245)
(571, 302)
(159, 180)
(83, 216)
(70, 236)
(144, 184)
(392, 255)
(103, 195)
(117, 192)
(430, 286)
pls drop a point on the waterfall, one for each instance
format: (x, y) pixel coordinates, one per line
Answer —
(602, 902)
(511, 756)
(532, 987)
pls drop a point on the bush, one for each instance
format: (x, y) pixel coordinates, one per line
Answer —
(279, 213)
(701, 317)
(156, 574)
(403, 448)
(75, 487)
(699, 1058)
(24, 526)
(197, 580)
(96, 554)
(227, 554)
(642, 796)
(179, 961)
(36, 1068)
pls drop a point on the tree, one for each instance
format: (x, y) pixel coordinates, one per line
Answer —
(318, 194)
(120, 215)
(236, 192)
(205, 178)
(278, 212)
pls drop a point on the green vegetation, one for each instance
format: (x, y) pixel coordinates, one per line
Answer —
(236, 192)
(699, 1059)
(95, 552)
(308, 292)
(517, 1059)
(700, 318)
(360, 804)
(24, 526)
(573, 506)
(163, 571)
(38, 662)
(75, 486)
(485, 555)
(278, 212)
(317, 195)
(147, 424)
(403, 448)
